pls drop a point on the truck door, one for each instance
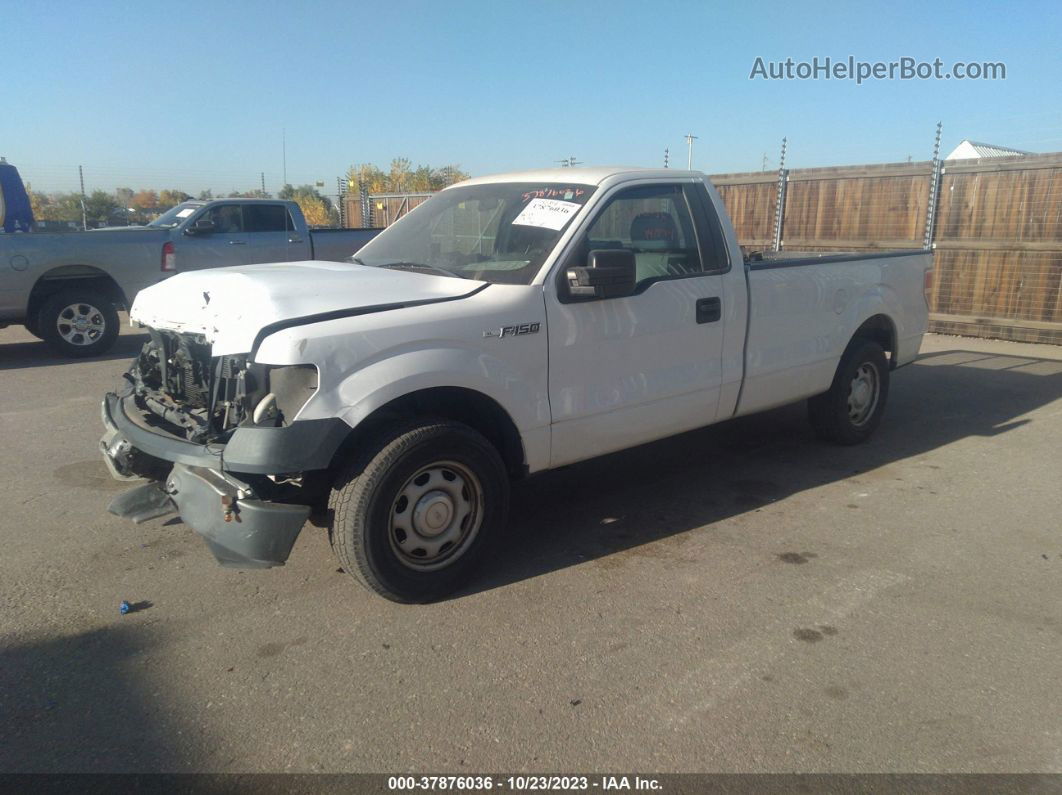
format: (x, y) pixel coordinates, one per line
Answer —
(272, 235)
(225, 245)
(627, 370)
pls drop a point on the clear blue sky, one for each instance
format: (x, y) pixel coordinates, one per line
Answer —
(195, 95)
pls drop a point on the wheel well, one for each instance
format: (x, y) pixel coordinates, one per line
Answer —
(68, 276)
(879, 329)
(474, 409)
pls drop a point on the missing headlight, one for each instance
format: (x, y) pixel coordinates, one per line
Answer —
(291, 386)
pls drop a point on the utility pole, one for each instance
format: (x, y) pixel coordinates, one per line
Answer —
(690, 138)
(764, 167)
(570, 162)
(284, 151)
(261, 174)
(667, 153)
(84, 215)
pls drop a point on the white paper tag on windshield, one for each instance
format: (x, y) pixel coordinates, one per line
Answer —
(186, 212)
(547, 213)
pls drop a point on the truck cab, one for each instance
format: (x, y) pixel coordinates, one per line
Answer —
(236, 231)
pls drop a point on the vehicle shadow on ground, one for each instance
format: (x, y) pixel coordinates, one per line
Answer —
(21, 355)
(619, 503)
(82, 703)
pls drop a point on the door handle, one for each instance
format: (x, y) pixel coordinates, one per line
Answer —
(237, 242)
(294, 239)
(709, 310)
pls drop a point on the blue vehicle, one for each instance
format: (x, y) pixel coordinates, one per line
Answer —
(16, 214)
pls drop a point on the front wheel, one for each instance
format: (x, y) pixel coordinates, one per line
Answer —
(415, 513)
(32, 327)
(78, 322)
(851, 410)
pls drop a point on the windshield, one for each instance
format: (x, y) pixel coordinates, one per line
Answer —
(175, 215)
(498, 233)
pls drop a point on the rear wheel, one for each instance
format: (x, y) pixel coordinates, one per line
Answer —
(415, 513)
(78, 322)
(852, 409)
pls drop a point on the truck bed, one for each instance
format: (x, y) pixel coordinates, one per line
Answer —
(339, 244)
(801, 314)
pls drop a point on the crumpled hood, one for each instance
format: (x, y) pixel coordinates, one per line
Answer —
(229, 306)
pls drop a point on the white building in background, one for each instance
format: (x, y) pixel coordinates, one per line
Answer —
(970, 150)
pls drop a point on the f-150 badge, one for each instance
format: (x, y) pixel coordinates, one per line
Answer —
(513, 331)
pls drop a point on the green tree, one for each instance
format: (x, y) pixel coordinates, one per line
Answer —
(315, 206)
(66, 207)
(420, 180)
(366, 176)
(401, 176)
(205, 195)
(101, 207)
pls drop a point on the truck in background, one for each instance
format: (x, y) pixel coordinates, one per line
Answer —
(67, 288)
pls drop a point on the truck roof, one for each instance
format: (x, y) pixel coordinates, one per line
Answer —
(240, 199)
(589, 175)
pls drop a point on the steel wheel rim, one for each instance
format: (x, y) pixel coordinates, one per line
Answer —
(80, 324)
(435, 516)
(863, 394)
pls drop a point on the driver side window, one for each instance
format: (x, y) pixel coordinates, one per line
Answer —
(227, 218)
(653, 222)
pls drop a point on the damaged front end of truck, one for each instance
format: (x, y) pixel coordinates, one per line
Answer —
(214, 439)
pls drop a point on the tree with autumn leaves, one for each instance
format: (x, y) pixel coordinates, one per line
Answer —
(125, 205)
(402, 177)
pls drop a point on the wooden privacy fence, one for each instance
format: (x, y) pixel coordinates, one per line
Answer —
(376, 211)
(997, 231)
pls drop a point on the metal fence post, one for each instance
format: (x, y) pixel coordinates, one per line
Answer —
(934, 193)
(779, 207)
(340, 194)
(366, 210)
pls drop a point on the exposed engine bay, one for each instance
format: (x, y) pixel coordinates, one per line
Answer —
(179, 384)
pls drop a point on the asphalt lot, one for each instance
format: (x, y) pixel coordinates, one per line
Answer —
(741, 598)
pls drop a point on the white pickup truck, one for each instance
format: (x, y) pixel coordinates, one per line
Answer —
(509, 325)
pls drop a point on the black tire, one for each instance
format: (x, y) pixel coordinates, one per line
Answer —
(367, 508)
(848, 413)
(32, 327)
(93, 325)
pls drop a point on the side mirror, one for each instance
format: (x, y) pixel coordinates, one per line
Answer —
(608, 273)
(202, 226)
